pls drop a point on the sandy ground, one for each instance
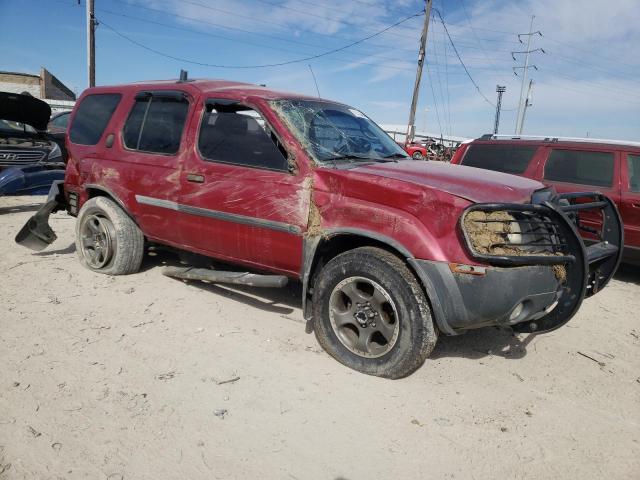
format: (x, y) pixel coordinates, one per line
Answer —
(145, 377)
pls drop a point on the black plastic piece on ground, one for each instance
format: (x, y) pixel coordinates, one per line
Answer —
(36, 234)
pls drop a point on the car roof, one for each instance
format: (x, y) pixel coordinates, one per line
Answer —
(205, 87)
(559, 141)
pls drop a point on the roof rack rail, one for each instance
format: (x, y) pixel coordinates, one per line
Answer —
(550, 138)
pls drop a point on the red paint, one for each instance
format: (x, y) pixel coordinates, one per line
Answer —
(417, 205)
(628, 202)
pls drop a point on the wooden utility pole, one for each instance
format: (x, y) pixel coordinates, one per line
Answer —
(91, 43)
(411, 127)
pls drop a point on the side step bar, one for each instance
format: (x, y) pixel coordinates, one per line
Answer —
(236, 278)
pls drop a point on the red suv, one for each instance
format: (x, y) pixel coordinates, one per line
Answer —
(569, 165)
(390, 252)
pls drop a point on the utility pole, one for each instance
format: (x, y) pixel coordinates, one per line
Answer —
(500, 89)
(411, 127)
(527, 104)
(525, 71)
(91, 43)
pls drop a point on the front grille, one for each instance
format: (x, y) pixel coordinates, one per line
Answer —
(515, 234)
(20, 157)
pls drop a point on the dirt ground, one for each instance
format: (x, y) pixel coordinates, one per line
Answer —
(146, 377)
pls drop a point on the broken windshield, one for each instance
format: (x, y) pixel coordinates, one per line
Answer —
(333, 132)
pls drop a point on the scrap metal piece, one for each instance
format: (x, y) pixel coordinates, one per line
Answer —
(236, 278)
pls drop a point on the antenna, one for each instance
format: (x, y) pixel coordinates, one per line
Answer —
(183, 76)
(314, 79)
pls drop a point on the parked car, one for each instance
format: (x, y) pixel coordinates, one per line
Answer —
(23, 140)
(569, 165)
(390, 252)
(59, 122)
(57, 130)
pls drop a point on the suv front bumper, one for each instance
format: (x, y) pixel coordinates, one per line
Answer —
(498, 296)
(530, 292)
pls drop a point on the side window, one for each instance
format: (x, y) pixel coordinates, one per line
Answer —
(239, 135)
(633, 165)
(61, 120)
(500, 158)
(156, 122)
(581, 167)
(92, 117)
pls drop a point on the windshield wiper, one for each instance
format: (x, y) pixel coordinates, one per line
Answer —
(349, 156)
(396, 155)
(353, 157)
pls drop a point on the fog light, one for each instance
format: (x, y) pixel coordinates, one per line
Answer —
(516, 312)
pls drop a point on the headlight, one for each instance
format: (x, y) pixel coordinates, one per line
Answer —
(55, 153)
(519, 231)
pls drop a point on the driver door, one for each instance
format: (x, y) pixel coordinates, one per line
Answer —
(241, 199)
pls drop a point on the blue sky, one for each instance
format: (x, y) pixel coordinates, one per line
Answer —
(586, 83)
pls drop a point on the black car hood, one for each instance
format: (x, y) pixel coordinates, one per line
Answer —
(24, 109)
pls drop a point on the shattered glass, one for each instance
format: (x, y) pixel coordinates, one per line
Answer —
(333, 133)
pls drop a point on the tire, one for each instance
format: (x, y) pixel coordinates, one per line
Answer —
(403, 306)
(418, 156)
(107, 240)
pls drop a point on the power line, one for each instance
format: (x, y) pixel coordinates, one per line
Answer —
(247, 42)
(266, 65)
(433, 94)
(617, 61)
(268, 22)
(435, 54)
(302, 12)
(462, 63)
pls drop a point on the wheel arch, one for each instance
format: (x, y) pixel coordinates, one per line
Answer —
(319, 249)
(94, 191)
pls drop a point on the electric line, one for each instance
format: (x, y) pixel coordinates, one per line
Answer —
(475, 35)
(433, 94)
(266, 65)
(247, 42)
(462, 63)
(302, 12)
(617, 61)
(435, 54)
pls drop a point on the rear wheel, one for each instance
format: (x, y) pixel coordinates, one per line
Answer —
(418, 156)
(107, 239)
(371, 314)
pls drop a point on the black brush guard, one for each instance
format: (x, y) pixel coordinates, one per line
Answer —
(587, 269)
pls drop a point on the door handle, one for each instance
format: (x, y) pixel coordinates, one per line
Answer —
(636, 205)
(195, 178)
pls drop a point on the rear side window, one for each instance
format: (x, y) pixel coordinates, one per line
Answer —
(61, 120)
(92, 118)
(633, 163)
(239, 135)
(500, 158)
(156, 122)
(581, 167)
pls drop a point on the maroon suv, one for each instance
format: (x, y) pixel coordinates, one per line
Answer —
(569, 165)
(390, 252)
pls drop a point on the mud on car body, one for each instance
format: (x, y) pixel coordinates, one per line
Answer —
(390, 252)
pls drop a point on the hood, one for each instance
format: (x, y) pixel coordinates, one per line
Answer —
(25, 109)
(474, 184)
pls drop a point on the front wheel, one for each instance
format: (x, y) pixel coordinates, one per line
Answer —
(107, 239)
(371, 314)
(418, 155)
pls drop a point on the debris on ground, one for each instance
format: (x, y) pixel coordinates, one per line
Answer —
(221, 413)
(166, 376)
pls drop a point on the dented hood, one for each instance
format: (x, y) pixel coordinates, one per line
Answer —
(473, 184)
(24, 109)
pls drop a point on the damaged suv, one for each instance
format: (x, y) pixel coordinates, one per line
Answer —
(390, 252)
